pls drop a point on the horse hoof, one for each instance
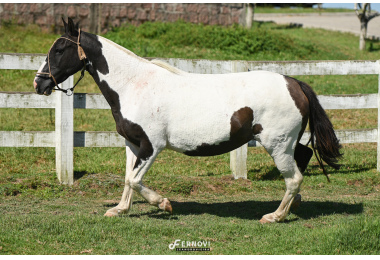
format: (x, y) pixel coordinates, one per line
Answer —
(264, 221)
(110, 214)
(166, 206)
(296, 202)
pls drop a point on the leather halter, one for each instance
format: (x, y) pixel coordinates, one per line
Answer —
(82, 56)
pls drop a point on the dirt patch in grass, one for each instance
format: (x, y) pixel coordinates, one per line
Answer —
(357, 183)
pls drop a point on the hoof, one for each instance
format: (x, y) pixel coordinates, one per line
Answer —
(166, 206)
(110, 214)
(296, 202)
(268, 218)
(263, 220)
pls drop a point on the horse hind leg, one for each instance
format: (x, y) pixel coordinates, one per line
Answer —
(283, 156)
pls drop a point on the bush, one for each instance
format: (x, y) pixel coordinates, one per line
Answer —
(155, 38)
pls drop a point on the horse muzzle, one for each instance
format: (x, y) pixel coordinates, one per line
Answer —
(43, 87)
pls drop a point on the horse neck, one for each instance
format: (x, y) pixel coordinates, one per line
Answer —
(114, 64)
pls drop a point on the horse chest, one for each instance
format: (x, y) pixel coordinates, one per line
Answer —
(125, 126)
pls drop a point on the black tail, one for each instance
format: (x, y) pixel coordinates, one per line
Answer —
(323, 139)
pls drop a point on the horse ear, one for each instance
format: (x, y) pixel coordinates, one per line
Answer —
(72, 31)
(65, 25)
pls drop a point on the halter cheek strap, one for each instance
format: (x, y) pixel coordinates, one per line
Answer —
(82, 56)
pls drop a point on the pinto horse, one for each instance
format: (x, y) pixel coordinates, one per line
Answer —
(157, 106)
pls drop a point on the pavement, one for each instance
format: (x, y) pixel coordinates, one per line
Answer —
(343, 22)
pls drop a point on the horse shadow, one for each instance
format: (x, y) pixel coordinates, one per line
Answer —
(312, 170)
(253, 210)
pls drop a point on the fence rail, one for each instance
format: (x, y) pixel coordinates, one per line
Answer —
(64, 138)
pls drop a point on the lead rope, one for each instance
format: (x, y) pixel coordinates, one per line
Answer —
(82, 56)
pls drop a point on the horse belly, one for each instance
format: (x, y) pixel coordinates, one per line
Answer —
(212, 133)
(213, 115)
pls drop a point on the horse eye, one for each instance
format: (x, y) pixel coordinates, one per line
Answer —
(60, 51)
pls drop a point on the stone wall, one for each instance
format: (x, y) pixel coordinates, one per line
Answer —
(101, 17)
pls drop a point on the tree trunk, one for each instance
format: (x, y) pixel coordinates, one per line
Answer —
(249, 9)
(94, 18)
(363, 33)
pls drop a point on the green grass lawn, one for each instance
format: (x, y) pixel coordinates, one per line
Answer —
(40, 216)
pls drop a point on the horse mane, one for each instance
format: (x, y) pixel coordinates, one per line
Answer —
(167, 66)
(159, 63)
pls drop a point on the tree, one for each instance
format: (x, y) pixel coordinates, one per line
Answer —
(249, 10)
(363, 11)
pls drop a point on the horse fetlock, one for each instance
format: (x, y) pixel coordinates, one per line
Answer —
(166, 206)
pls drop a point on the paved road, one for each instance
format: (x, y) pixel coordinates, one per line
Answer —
(343, 22)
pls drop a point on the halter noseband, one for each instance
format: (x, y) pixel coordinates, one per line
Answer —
(82, 56)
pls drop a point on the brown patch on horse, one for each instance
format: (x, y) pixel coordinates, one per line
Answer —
(241, 132)
(131, 131)
(298, 96)
(300, 100)
(257, 128)
(302, 156)
(241, 121)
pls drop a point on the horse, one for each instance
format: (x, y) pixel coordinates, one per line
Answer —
(156, 106)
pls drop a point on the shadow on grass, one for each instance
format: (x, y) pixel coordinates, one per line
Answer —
(78, 175)
(312, 170)
(254, 210)
(373, 45)
(276, 26)
(269, 175)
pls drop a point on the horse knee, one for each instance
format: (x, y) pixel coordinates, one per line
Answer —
(135, 184)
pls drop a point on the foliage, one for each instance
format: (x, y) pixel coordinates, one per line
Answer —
(158, 37)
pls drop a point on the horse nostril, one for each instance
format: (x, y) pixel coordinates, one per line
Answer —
(35, 84)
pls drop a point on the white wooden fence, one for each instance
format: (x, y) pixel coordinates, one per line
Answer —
(64, 138)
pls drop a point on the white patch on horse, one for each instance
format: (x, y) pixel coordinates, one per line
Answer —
(40, 69)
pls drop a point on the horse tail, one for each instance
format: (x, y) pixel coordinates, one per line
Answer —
(322, 136)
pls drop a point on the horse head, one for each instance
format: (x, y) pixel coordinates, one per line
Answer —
(65, 58)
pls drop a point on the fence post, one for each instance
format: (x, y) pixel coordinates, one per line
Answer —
(64, 134)
(378, 118)
(238, 157)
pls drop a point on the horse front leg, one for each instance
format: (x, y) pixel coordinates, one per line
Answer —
(126, 199)
(133, 181)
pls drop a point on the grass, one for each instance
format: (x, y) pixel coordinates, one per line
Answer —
(40, 216)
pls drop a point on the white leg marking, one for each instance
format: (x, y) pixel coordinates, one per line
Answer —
(127, 197)
(283, 156)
